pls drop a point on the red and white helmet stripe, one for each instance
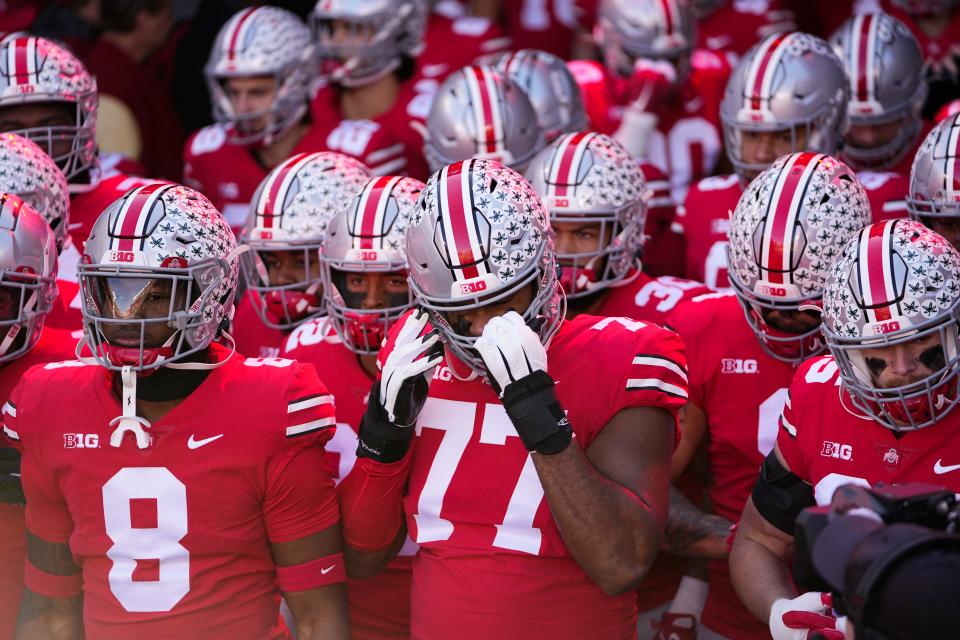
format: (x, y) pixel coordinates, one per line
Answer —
(760, 74)
(237, 32)
(481, 83)
(565, 163)
(777, 247)
(671, 17)
(22, 62)
(368, 231)
(460, 233)
(877, 279)
(863, 71)
(269, 212)
(133, 218)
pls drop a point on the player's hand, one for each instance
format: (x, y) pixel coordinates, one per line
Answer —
(11, 490)
(650, 83)
(405, 376)
(812, 611)
(396, 400)
(516, 363)
(510, 350)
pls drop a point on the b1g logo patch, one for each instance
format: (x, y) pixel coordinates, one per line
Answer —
(738, 365)
(836, 450)
(81, 441)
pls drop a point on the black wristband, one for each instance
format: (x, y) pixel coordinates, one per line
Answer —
(380, 439)
(536, 413)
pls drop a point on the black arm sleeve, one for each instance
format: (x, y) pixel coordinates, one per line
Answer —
(780, 495)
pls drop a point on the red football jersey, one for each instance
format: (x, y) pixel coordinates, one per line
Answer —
(548, 26)
(887, 193)
(828, 443)
(742, 390)
(737, 25)
(492, 562)
(228, 173)
(649, 299)
(53, 346)
(388, 144)
(87, 202)
(454, 40)
(705, 220)
(174, 541)
(379, 606)
(664, 248)
(255, 339)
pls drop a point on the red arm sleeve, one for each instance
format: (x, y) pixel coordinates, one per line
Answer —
(371, 499)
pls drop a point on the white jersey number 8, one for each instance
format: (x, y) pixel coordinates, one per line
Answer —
(160, 543)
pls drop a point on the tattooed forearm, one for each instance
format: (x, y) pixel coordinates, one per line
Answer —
(692, 532)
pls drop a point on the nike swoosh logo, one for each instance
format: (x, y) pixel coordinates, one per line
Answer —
(327, 570)
(196, 444)
(939, 469)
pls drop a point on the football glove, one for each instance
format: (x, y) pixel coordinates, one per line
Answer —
(810, 612)
(516, 363)
(396, 400)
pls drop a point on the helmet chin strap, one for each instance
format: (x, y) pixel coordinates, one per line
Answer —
(15, 330)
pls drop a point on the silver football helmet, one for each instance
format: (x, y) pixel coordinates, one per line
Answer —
(367, 237)
(479, 113)
(28, 275)
(160, 257)
(627, 30)
(789, 226)
(361, 41)
(36, 70)
(787, 82)
(31, 174)
(289, 212)
(934, 184)
(262, 41)
(552, 89)
(588, 178)
(885, 66)
(479, 235)
(896, 282)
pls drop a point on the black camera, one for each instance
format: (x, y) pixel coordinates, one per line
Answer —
(890, 555)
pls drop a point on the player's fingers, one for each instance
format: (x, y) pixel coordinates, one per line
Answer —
(808, 620)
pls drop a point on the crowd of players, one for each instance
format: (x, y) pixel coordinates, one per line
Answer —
(418, 250)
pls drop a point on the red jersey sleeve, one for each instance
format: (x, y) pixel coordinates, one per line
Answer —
(691, 320)
(794, 438)
(46, 516)
(300, 496)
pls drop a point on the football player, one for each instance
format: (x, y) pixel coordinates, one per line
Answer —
(545, 534)
(365, 291)
(48, 96)
(371, 101)
(934, 197)
(284, 230)
(887, 91)
(663, 94)
(28, 291)
(480, 113)
(32, 175)
(457, 37)
(258, 74)
(596, 198)
(191, 492)
(789, 93)
(745, 346)
(877, 409)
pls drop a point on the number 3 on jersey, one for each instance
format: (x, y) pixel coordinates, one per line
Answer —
(147, 491)
(455, 419)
